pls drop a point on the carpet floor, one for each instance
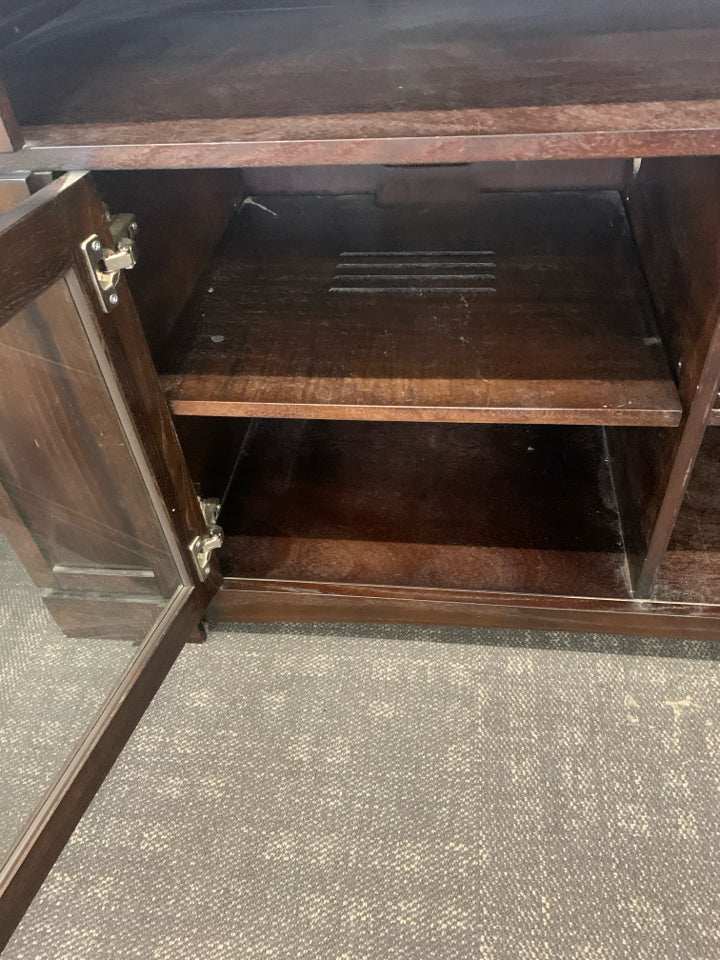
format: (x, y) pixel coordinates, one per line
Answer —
(353, 792)
(50, 688)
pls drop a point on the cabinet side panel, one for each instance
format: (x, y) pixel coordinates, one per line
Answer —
(690, 570)
(182, 215)
(674, 210)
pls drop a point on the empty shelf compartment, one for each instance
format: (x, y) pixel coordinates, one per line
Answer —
(468, 507)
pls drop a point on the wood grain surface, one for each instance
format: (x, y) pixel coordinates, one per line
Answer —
(65, 461)
(507, 308)
(89, 449)
(182, 215)
(674, 209)
(690, 570)
(213, 60)
(655, 128)
(250, 600)
(205, 84)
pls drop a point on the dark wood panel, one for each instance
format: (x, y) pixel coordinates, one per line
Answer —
(64, 457)
(68, 212)
(128, 369)
(344, 58)
(457, 183)
(690, 570)
(674, 209)
(11, 137)
(389, 82)
(246, 600)
(641, 462)
(340, 308)
(459, 506)
(453, 136)
(182, 216)
(25, 273)
(83, 443)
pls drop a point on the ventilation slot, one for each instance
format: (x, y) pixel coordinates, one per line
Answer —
(415, 271)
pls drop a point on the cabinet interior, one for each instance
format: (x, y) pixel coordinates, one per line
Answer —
(466, 379)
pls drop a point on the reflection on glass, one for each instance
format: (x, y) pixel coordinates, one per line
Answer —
(50, 688)
(83, 553)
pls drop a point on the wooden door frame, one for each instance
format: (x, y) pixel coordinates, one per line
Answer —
(50, 825)
(54, 221)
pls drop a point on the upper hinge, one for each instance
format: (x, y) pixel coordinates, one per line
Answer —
(202, 547)
(105, 263)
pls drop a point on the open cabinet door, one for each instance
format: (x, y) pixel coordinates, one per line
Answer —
(95, 497)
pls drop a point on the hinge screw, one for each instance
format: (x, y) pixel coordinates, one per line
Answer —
(97, 246)
(113, 299)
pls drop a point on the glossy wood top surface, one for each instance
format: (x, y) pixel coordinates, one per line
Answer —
(161, 72)
(105, 61)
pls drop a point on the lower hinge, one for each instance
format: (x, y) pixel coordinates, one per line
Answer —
(201, 547)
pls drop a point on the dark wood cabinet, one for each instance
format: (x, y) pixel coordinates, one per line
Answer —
(95, 495)
(428, 298)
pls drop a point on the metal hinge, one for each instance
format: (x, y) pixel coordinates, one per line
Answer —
(202, 547)
(105, 263)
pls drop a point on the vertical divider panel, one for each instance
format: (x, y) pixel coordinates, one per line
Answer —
(182, 215)
(674, 210)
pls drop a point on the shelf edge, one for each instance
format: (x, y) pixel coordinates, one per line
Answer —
(574, 131)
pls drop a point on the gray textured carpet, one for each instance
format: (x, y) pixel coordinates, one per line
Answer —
(50, 688)
(370, 792)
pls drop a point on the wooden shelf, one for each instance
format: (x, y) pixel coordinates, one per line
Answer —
(425, 506)
(511, 308)
(344, 82)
